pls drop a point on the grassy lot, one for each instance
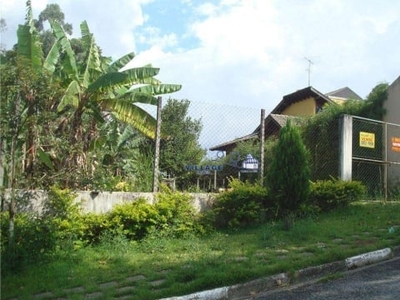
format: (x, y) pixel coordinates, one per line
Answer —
(160, 267)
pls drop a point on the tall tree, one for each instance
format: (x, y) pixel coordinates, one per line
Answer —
(374, 104)
(25, 89)
(3, 27)
(180, 144)
(32, 84)
(51, 12)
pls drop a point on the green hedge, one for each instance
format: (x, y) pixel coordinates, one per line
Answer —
(63, 227)
(243, 204)
(331, 194)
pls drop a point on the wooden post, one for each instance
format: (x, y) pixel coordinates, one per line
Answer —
(157, 147)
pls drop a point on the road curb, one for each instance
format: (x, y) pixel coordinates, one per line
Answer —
(368, 258)
(251, 288)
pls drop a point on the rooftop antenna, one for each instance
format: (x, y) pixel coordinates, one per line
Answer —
(309, 69)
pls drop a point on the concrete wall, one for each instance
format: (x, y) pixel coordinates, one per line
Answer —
(100, 202)
(392, 106)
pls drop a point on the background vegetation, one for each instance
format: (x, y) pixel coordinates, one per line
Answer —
(195, 262)
(72, 118)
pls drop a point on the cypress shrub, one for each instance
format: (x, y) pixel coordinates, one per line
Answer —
(288, 178)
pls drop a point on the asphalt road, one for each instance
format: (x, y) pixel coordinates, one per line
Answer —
(379, 281)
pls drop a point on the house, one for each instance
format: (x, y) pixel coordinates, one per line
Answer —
(342, 95)
(392, 116)
(301, 103)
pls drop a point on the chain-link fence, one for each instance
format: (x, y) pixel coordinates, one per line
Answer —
(376, 156)
(368, 155)
(322, 140)
(231, 142)
(231, 135)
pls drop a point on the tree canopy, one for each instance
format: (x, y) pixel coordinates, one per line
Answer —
(179, 145)
(69, 97)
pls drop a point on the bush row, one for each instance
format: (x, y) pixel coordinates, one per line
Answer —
(248, 203)
(327, 195)
(63, 227)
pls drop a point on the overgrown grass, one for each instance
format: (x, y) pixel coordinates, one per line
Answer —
(218, 259)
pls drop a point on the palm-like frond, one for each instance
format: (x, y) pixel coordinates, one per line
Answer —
(137, 75)
(52, 58)
(138, 97)
(121, 82)
(158, 89)
(71, 96)
(93, 61)
(107, 80)
(29, 44)
(133, 115)
(126, 136)
(145, 81)
(145, 93)
(121, 62)
(69, 62)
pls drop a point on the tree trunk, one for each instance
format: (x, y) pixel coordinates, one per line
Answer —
(29, 153)
(11, 185)
(2, 168)
(74, 159)
(12, 167)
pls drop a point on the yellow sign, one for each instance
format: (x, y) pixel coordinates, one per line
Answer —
(396, 144)
(367, 139)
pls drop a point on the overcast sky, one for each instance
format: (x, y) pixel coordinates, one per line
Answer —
(246, 53)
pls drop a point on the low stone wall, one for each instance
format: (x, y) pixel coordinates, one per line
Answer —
(99, 202)
(102, 202)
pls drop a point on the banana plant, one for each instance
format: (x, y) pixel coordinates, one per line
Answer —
(95, 88)
(97, 84)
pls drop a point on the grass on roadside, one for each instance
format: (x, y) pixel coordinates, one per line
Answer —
(218, 259)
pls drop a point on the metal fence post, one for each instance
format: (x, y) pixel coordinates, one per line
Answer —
(385, 158)
(262, 146)
(346, 147)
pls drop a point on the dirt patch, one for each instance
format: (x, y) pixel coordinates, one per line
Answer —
(365, 242)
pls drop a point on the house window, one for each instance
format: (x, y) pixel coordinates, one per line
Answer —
(318, 109)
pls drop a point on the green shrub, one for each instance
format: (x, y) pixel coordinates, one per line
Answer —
(172, 215)
(61, 204)
(34, 241)
(176, 214)
(242, 205)
(289, 174)
(96, 226)
(137, 219)
(39, 237)
(331, 194)
(65, 217)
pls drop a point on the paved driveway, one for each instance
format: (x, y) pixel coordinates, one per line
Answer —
(378, 281)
